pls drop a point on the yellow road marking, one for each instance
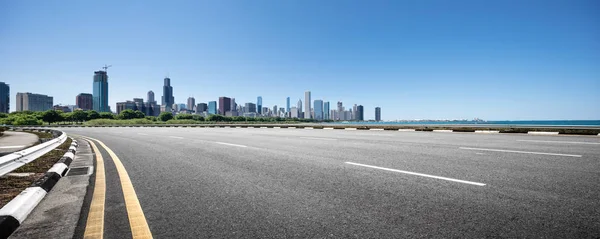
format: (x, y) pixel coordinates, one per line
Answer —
(137, 220)
(94, 228)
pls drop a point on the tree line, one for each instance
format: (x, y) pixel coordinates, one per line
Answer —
(80, 116)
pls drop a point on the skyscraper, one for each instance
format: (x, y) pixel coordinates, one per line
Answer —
(191, 102)
(250, 108)
(354, 115)
(233, 105)
(360, 113)
(84, 101)
(318, 109)
(275, 111)
(340, 106)
(287, 109)
(307, 105)
(259, 104)
(33, 102)
(299, 106)
(100, 94)
(167, 99)
(150, 96)
(326, 111)
(201, 107)
(212, 107)
(4, 97)
(377, 114)
(224, 105)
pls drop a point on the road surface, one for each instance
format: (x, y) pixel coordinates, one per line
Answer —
(14, 141)
(281, 183)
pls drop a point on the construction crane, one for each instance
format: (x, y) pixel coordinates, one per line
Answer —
(105, 67)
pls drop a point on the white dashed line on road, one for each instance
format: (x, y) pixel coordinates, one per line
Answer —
(317, 138)
(558, 142)
(176, 137)
(521, 152)
(418, 174)
(235, 145)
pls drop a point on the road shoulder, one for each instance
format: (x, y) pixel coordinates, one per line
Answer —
(58, 214)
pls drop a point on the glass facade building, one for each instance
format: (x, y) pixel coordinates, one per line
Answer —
(326, 111)
(318, 108)
(259, 104)
(212, 108)
(100, 94)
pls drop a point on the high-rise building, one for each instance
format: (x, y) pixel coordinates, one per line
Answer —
(307, 108)
(354, 115)
(295, 112)
(191, 102)
(84, 101)
(212, 107)
(233, 106)
(201, 107)
(326, 111)
(249, 108)
(275, 111)
(377, 114)
(168, 99)
(265, 110)
(4, 97)
(318, 109)
(33, 102)
(299, 107)
(150, 96)
(127, 105)
(281, 112)
(340, 106)
(287, 105)
(100, 94)
(224, 105)
(259, 104)
(360, 113)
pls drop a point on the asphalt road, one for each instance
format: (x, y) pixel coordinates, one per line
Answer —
(282, 183)
(14, 141)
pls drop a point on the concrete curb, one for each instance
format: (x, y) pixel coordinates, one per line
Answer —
(443, 130)
(542, 133)
(487, 131)
(17, 210)
(406, 130)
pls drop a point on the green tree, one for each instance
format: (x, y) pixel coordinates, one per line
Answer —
(91, 115)
(51, 116)
(106, 115)
(151, 118)
(165, 116)
(26, 120)
(79, 116)
(197, 118)
(127, 114)
(3, 115)
(67, 117)
(139, 114)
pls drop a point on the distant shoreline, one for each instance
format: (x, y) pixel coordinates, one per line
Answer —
(555, 123)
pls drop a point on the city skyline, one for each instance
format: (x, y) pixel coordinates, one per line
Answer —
(469, 60)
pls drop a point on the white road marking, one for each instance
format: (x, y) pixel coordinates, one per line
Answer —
(418, 174)
(12, 147)
(443, 130)
(487, 132)
(542, 133)
(317, 138)
(558, 142)
(236, 145)
(142, 134)
(480, 153)
(521, 152)
(176, 137)
(406, 130)
(327, 128)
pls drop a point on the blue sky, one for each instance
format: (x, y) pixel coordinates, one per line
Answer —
(496, 60)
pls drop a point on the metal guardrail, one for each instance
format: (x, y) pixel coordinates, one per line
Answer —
(11, 162)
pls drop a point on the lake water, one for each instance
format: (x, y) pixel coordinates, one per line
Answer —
(507, 122)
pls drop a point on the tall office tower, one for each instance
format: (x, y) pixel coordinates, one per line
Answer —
(33, 102)
(275, 110)
(265, 110)
(299, 106)
(250, 108)
(326, 111)
(318, 109)
(354, 116)
(139, 105)
(360, 113)
(307, 108)
(281, 112)
(332, 114)
(340, 107)
(233, 105)
(212, 107)
(201, 107)
(191, 102)
(287, 108)
(168, 99)
(224, 105)
(4, 97)
(259, 104)
(84, 101)
(150, 97)
(100, 94)
(377, 114)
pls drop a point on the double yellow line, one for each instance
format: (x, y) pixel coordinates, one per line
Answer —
(95, 221)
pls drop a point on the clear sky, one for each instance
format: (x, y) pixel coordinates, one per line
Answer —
(418, 59)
